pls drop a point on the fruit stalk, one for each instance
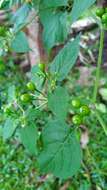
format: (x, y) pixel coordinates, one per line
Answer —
(98, 66)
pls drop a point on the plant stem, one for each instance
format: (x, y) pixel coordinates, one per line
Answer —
(98, 66)
(40, 92)
(19, 106)
(36, 98)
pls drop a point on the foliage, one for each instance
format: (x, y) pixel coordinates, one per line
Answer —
(26, 173)
(40, 118)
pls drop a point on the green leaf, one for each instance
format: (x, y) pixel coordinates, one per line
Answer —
(79, 8)
(11, 94)
(62, 153)
(36, 4)
(9, 127)
(101, 107)
(20, 17)
(52, 4)
(58, 102)
(32, 114)
(103, 93)
(20, 43)
(66, 59)
(37, 76)
(29, 138)
(55, 27)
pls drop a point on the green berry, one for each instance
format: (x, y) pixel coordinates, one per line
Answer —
(25, 98)
(8, 109)
(104, 18)
(77, 119)
(84, 110)
(100, 12)
(76, 103)
(31, 86)
(42, 67)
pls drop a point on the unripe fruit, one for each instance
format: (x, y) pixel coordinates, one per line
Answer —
(8, 109)
(100, 12)
(104, 18)
(31, 86)
(75, 103)
(84, 110)
(77, 119)
(25, 98)
(42, 67)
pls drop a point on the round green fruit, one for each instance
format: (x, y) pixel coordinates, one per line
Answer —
(31, 86)
(84, 110)
(100, 12)
(76, 103)
(77, 119)
(42, 67)
(104, 18)
(25, 98)
(8, 109)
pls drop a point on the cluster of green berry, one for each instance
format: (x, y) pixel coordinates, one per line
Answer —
(102, 14)
(26, 97)
(83, 111)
